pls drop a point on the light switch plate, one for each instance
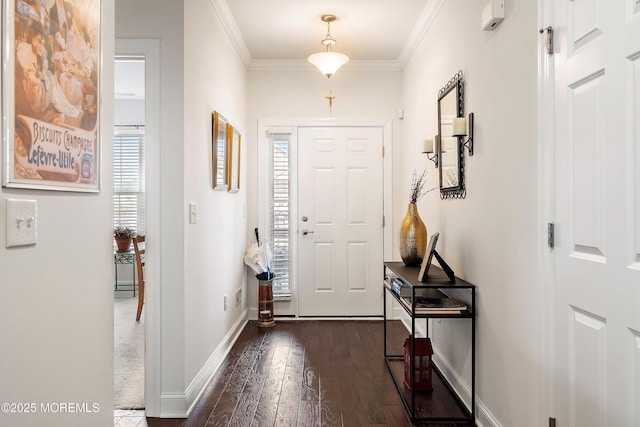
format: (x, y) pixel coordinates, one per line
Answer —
(22, 222)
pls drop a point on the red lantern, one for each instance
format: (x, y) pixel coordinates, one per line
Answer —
(422, 367)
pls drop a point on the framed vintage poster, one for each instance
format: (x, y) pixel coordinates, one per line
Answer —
(51, 55)
(219, 149)
(233, 165)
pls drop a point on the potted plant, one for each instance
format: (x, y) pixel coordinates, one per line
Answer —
(123, 237)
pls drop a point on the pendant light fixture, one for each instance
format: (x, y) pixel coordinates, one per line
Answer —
(328, 62)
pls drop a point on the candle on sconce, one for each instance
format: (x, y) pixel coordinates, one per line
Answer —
(459, 126)
(428, 146)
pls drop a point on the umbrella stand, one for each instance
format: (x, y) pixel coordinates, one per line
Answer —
(257, 257)
(265, 303)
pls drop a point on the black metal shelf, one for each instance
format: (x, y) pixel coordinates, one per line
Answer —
(442, 404)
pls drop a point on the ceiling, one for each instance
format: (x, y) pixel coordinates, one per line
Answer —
(292, 29)
(288, 31)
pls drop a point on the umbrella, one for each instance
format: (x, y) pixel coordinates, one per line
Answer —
(258, 258)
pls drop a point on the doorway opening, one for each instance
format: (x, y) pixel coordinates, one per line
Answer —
(129, 211)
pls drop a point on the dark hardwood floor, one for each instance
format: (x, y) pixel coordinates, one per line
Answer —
(301, 373)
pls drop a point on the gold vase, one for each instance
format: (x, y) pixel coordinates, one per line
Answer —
(413, 237)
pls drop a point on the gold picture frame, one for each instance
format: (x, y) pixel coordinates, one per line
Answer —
(219, 145)
(233, 155)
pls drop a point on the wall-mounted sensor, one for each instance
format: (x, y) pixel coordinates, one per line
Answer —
(492, 14)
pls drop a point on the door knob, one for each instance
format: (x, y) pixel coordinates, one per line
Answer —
(306, 231)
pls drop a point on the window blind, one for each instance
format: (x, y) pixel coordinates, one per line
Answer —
(280, 210)
(128, 179)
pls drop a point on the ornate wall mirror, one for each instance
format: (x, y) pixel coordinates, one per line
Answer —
(450, 153)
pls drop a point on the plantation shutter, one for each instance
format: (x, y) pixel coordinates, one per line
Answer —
(128, 179)
(280, 211)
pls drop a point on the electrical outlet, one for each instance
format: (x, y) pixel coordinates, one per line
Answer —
(238, 297)
(225, 303)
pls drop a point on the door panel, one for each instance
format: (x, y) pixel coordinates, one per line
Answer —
(597, 274)
(588, 367)
(340, 184)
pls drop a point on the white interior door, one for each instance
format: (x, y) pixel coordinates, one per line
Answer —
(340, 229)
(597, 203)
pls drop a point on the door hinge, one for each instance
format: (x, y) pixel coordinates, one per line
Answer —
(383, 151)
(551, 235)
(549, 41)
(552, 422)
(383, 219)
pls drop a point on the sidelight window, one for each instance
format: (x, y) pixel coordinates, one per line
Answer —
(280, 210)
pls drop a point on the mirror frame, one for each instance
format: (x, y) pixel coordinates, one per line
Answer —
(458, 191)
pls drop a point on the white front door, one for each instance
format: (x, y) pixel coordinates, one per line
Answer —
(597, 210)
(340, 229)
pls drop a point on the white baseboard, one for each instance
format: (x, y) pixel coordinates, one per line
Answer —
(173, 405)
(484, 417)
(180, 405)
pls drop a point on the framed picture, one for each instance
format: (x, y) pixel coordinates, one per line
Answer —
(51, 93)
(220, 144)
(233, 166)
(428, 256)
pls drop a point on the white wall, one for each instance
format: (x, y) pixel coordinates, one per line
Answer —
(215, 79)
(202, 262)
(56, 309)
(134, 20)
(293, 96)
(490, 238)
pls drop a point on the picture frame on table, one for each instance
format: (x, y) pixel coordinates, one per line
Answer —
(233, 164)
(220, 134)
(428, 257)
(50, 95)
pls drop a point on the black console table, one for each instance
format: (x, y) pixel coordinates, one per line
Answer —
(442, 404)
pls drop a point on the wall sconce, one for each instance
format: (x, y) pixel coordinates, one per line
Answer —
(460, 129)
(430, 148)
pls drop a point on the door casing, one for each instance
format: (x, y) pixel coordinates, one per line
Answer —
(150, 50)
(269, 126)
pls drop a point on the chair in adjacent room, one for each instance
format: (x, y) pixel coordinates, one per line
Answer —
(139, 248)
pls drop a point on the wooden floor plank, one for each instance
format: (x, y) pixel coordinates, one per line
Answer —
(267, 408)
(309, 374)
(287, 414)
(330, 402)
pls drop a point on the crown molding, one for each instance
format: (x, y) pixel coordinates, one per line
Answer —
(300, 64)
(231, 27)
(419, 31)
